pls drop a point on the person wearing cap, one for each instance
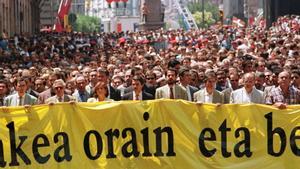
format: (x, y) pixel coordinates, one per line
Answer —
(60, 96)
(20, 98)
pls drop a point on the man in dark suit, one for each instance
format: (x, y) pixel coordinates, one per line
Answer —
(185, 80)
(113, 93)
(30, 90)
(149, 86)
(138, 93)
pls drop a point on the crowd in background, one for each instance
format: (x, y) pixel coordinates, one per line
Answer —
(223, 64)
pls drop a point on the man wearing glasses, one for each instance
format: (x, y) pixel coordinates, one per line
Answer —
(60, 96)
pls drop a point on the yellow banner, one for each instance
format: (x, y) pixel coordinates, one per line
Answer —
(150, 135)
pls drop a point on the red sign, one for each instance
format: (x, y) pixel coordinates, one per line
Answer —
(119, 27)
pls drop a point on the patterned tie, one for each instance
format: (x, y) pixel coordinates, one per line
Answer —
(137, 97)
(171, 93)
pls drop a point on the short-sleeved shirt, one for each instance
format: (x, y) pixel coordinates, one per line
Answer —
(276, 95)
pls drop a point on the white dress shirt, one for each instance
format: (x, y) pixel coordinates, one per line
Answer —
(140, 96)
(207, 97)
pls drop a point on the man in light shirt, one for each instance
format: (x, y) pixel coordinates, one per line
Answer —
(209, 94)
(248, 93)
(185, 80)
(20, 98)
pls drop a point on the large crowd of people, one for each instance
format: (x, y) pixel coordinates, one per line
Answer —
(221, 65)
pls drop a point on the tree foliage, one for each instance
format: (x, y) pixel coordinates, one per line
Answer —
(87, 24)
(211, 13)
(208, 19)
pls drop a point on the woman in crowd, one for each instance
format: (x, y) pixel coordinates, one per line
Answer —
(100, 93)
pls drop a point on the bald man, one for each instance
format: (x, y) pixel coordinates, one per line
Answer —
(284, 94)
(248, 93)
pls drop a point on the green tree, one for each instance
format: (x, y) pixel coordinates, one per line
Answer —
(208, 19)
(87, 24)
(211, 13)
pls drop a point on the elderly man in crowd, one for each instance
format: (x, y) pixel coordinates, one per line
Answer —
(285, 94)
(81, 94)
(60, 96)
(248, 93)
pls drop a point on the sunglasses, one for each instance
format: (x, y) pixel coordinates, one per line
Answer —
(150, 78)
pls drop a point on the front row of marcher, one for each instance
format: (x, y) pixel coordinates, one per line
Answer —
(280, 96)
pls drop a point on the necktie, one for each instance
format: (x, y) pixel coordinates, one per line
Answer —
(1, 102)
(171, 93)
(20, 101)
(82, 97)
(60, 99)
(137, 97)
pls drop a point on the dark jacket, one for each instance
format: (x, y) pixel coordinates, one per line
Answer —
(145, 96)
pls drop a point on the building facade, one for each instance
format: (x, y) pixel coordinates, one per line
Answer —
(78, 6)
(101, 9)
(19, 16)
(48, 12)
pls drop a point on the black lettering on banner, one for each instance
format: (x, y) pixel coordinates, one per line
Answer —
(99, 144)
(293, 143)
(145, 133)
(246, 142)
(158, 132)
(35, 148)
(110, 142)
(65, 147)
(202, 139)
(223, 129)
(132, 143)
(16, 150)
(270, 133)
(2, 160)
